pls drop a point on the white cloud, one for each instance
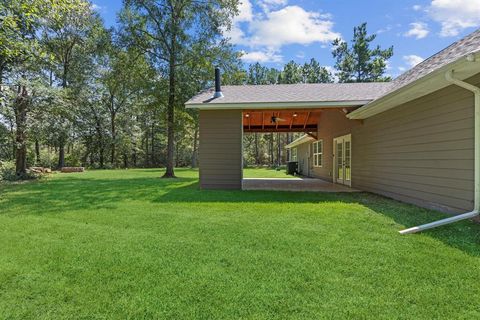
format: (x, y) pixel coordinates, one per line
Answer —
(417, 7)
(300, 55)
(265, 33)
(419, 30)
(96, 7)
(412, 60)
(291, 25)
(245, 12)
(268, 5)
(455, 15)
(261, 56)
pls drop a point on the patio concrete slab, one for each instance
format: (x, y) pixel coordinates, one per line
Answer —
(294, 184)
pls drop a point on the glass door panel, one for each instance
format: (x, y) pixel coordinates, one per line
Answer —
(343, 160)
(339, 157)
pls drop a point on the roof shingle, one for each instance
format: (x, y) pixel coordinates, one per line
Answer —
(315, 92)
(468, 45)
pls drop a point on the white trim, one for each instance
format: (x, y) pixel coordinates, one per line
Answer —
(299, 141)
(277, 105)
(320, 154)
(344, 182)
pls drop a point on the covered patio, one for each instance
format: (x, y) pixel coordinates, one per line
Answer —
(319, 111)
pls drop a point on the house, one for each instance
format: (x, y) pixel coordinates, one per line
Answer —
(415, 139)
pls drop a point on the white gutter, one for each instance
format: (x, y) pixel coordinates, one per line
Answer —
(476, 91)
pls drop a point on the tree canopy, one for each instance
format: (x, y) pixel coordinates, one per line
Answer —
(73, 92)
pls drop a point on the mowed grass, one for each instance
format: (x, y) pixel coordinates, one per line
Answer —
(266, 173)
(129, 245)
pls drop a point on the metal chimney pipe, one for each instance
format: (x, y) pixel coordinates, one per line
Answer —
(218, 88)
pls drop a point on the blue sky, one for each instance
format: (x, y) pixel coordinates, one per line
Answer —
(274, 32)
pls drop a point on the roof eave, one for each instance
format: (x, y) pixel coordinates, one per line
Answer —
(425, 85)
(303, 139)
(276, 105)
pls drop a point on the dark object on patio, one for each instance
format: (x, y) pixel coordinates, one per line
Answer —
(292, 167)
(72, 169)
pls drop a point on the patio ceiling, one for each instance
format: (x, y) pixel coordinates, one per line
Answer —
(280, 120)
(294, 120)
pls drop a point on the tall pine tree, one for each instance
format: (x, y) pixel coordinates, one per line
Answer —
(359, 62)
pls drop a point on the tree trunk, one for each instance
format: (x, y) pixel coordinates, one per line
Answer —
(62, 140)
(61, 154)
(65, 73)
(114, 132)
(125, 160)
(147, 158)
(102, 157)
(37, 151)
(134, 149)
(152, 141)
(169, 173)
(21, 107)
(100, 139)
(12, 139)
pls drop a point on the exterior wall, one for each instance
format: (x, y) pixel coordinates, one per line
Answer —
(304, 159)
(220, 149)
(421, 152)
(332, 124)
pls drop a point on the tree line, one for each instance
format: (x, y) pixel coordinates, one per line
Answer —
(76, 93)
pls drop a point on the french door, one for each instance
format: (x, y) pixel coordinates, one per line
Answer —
(343, 160)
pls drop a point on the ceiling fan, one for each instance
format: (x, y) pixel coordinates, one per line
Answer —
(276, 119)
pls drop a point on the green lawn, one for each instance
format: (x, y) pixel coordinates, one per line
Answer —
(129, 245)
(265, 173)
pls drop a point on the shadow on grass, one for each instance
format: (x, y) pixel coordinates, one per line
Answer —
(78, 193)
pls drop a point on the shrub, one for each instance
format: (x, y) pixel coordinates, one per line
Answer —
(8, 173)
(47, 160)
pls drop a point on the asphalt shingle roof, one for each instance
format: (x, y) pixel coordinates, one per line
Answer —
(463, 47)
(341, 92)
(314, 92)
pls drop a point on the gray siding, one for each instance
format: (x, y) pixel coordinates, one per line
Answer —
(220, 149)
(304, 159)
(332, 124)
(420, 152)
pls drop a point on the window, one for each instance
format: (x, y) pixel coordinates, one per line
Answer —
(318, 153)
(293, 154)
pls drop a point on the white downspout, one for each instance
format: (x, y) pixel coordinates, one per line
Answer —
(476, 91)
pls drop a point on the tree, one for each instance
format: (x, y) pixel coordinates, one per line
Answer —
(173, 32)
(20, 54)
(360, 63)
(292, 73)
(66, 40)
(313, 72)
(258, 74)
(122, 81)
